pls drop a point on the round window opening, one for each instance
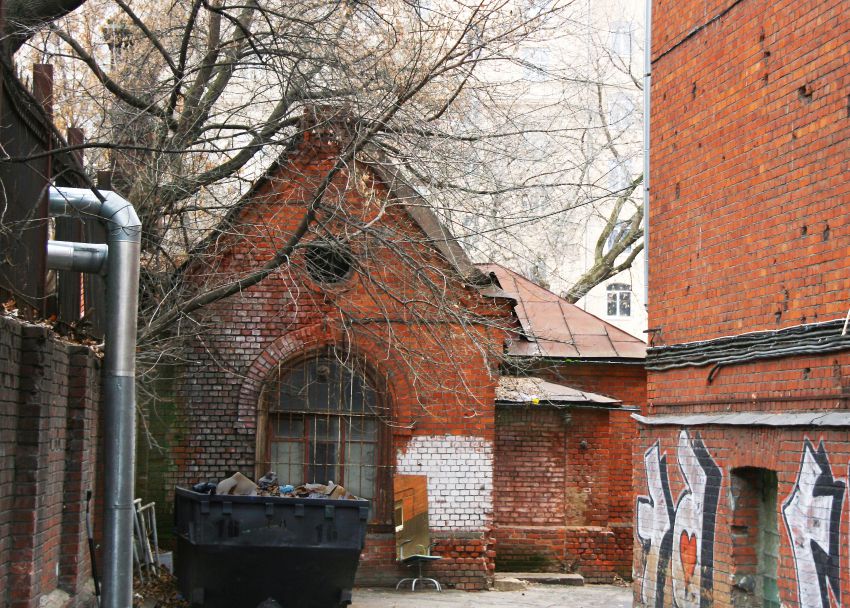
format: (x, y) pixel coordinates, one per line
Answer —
(328, 262)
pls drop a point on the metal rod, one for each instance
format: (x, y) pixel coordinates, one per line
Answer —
(647, 108)
(119, 387)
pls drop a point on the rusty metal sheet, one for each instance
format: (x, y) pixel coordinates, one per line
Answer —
(555, 348)
(561, 329)
(630, 349)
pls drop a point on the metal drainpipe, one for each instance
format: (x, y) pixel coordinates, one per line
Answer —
(120, 257)
(647, 82)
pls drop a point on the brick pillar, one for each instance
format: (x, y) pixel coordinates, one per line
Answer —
(29, 475)
(81, 431)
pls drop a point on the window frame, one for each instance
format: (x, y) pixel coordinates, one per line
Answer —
(381, 512)
(618, 231)
(621, 292)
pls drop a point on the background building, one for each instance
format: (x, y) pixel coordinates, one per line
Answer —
(570, 109)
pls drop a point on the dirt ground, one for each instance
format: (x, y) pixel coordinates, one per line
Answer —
(535, 596)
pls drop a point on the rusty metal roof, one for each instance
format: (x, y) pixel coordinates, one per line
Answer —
(552, 327)
(528, 389)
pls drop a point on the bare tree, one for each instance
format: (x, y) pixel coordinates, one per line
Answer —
(562, 204)
(191, 104)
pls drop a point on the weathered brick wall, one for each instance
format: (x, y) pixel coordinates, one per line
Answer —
(749, 231)
(563, 498)
(697, 525)
(749, 221)
(564, 483)
(439, 386)
(48, 433)
(620, 380)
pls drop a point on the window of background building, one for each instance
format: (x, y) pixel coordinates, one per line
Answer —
(324, 422)
(619, 176)
(619, 300)
(534, 8)
(621, 39)
(621, 111)
(535, 61)
(618, 232)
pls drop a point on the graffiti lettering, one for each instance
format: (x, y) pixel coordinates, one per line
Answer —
(812, 516)
(685, 535)
(655, 526)
(693, 533)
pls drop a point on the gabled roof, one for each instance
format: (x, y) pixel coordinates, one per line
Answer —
(552, 327)
(437, 234)
(423, 215)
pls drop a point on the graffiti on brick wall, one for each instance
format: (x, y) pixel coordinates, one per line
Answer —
(812, 516)
(693, 531)
(654, 529)
(681, 537)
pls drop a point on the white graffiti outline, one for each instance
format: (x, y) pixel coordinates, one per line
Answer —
(817, 497)
(696, 512)
(655, 526)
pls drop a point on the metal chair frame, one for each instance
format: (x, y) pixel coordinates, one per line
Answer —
(418, 560)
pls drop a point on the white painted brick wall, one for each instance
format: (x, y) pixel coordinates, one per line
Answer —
(460, 479)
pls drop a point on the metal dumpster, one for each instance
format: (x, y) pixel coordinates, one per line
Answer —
(239, 551)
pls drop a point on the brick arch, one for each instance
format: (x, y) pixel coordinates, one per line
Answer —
(390, 370)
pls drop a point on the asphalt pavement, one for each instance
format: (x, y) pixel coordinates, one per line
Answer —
(534, 596)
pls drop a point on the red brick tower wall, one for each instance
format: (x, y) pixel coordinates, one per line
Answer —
(749, 232)
(49, 401)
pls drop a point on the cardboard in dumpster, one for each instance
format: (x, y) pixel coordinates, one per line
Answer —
(237, 485)
(318, 490)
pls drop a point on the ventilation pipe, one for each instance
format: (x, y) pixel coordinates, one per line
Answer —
(647, 81)
(119, 260)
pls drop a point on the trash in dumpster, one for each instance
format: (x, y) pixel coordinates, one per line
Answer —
(318, 490)
(299, 550)
(205, 487)
(267, 481)
(237, 485)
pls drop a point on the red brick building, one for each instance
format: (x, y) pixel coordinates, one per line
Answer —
(565, 438)
(49, 386)
(376, 352)
(373, 352)
(744, 445)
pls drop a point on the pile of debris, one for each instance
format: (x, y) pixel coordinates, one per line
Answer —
(157, 592)
(268, 485)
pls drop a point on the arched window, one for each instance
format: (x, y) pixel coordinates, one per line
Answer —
(323, 419)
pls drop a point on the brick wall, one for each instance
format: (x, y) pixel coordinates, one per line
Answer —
(620, 380)
(698, 525)
(749, 222)
(48, 434)
(563, 479)
(749, 231)
(438, 383)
